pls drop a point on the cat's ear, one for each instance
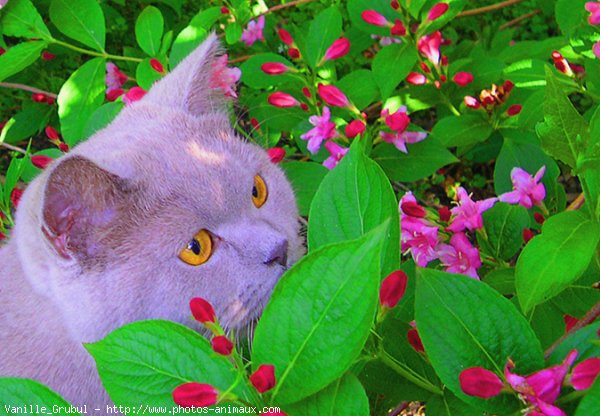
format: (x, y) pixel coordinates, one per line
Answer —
(195, 85)
(80, 207)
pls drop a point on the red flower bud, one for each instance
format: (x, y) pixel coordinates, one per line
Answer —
(462, 78)
(508, 86)
(41, 161)
(202, 310)
(444, 60)
(15, 197)
(285, 36)
(263, 379)
(394, 4)
(539, 218)
(398, 29)
(338, 49)
(63, 147)
(282, 100)
(255, 123)
(304, 106)
(333, 96)
(2, 52)
(38, 97)
(195, 395)
(50, 100)
(306, 92)
(397, 121)
(424, 67)
(221, 345)
(47, 56)
(413, 209)
(224, 10)
(514, 109)
(585, 373)
(134, 94)
(527, 235)
(472, 102)
(354, 128)
(157, 66)
(436, 11)
(392, 289)
(479, 382)
(444, 213)
(274, 68)
(412, 335)
(374, 18)
(416, 79)
(276, 154)
(52, 133)
(112, 95)
(294, 53)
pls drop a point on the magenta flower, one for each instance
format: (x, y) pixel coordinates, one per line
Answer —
(333, 95)
(472, 102)
(224, 77)
(336, 153)
(134, 94)
(114, 77)
(274, 68)
(417, 234)
(460, 256)
(594, 8)
(429, 46)
(468, 213)
(338, 49)
(282, 100)
(401, 139)
(596, 49)
(416, 78)
(437, 10)
(324, 129)
(462, 78)
(374, 18)
(479, 382)
(398, 28)
(397, 121)
(254, 31)
(561, 63)
(585, 373)
(527, 189)
(354, 128)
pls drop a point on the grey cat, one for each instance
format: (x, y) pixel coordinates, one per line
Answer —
(163, 205)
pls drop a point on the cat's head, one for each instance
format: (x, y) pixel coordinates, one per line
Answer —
(163, 205)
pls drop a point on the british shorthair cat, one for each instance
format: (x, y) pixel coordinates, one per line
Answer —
(163, 205)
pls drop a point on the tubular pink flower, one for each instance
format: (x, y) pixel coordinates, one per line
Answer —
(134, 94)
(561, 63)
(336, 153)
(282, 100)
(324, 129)
(596, 49)
(333, 96)
(285, 37)
(472, 102)
(392, 288)
(354, 128)
(436, 11)
(479, 382)
(224, 77)
(460, 256)
(527, 189)
(398, 28)
(338, 49)
(276, 154)
(462, 78)
(274, 68)
(585, 373)
(468, 213)
(397, 121)
(401, 139)
(594, 8)
(514, 109)
(254, 31)
(374, 18)
(195, 395)
(429, 46)
(416, 79)
(417, 234)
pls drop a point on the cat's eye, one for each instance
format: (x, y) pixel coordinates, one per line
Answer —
(198, 250)
(259, 192)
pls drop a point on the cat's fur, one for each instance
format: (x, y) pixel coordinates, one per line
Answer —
(98, 233)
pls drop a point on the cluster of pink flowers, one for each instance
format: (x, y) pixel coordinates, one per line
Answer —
(539, 390)
(398, 123)
(490, 99)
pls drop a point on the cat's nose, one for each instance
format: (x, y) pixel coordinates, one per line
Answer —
(278, 253)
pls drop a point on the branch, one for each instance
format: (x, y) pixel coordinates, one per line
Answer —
(588, 318)
(13, 148)
(577, 203)
(481, 10)
(519, 19)
(26, 88)
(285, 6)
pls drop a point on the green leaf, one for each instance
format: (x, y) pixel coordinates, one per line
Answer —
(254, 77)
(142, 362)
(305, 178)
(422, 160)
(193, 34)
(319, 316)
(465, 323)
(356, 7)
(353, 199)
(361, 87)
(79, 97)
(555, 258)
(102, 117)
(583, 340)
(564, 132)
(82, 20)
(344, 396)
(504, 225)
(233, 33)
(26, 123)
(462, 130)
(570, 15)
(21, 19)
(503, 280)
(449, 405)
(323, 30)
(391, 65)
(591, 401)
(30, 171)
(527, 73)
(149, 28)
(145, 75)
(13, 174)
(17, 394)
(19, 57)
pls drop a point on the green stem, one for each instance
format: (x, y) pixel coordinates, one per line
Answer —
(389, 361)
(94, 53)
(571, 397)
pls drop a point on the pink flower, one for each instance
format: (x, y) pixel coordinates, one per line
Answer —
(479, 382)
(338, 49)
(472, 102)
(254, 31)
(224, 77)
(436, 11)
(416, 79)
(52, 133)
(397, 121)
(594, 8)
(333, 96)
(398, 28)
(460, 256)
(276, 154)
(468, 213)
(596, 49)
(374, 18)
(417, 236)
(400, 139)
(585, 373)
(429, 46)
(285, 37)
(282, 100)
(195, 395)
(157, 66)
(354, 128)
(324, 129)
(561, 63)
(263, 379)
(514, 109)
(336, 153)
(462, 78)
(134, 94)
(527, 189)
(274, 68)
(114, 77)
(392, 288)
(41, 161)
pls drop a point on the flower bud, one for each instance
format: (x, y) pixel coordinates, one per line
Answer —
(398, 29)
(444, 213)
(112, 95)
(282, 100)
(394, 4)
(539, 218)
(47, 56)
(202, 311)
(393, 288)
(63, 147)
(2, 52)
(338, 49)
(274, 68)
(514, 109)
(195, 395)
(224, 10)
(38, 97)
(462, 78)
(306, 92)
(413, 209)
(134, 94)
(294, 53)
(222, 345)
(333, 96)
(52, 133)
(424, 67)
(157, 66)
(415, 78)
(527, 235)
(354, 128)
(374, 18)
(508, 86)
(15, 197)
(412, 335)
(585, 373)
(276, 154)
(472, 102)
(255, 123)
(285, 36)
(479, 382)
(263, 379)
(436, 11)
(41, 161)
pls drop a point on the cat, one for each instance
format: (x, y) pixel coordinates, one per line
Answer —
(105, 234)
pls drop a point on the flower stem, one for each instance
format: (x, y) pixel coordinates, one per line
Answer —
(26, 88)
(94, 53)
(407, 373)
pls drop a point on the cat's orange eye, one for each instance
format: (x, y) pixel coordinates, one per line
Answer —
(198, 250)
(259, 192)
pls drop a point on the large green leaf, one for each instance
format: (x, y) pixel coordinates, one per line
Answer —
(391, 65)
(345, 396)
(590, 403)
(142, 362)
(462, 130)
(422, 160)
(361, 87)
(20, 18)
(354, 198)
(319, 316)
(465, 323)
(323, 30)
(305, 178)
(26, 123)
(149, 28)
(82, 20)
(79, 97)
(555, 258)
(504, 226)
(527, 73)
(23, 396)
(570, 15)
(19, 57)
(254, 77)
(583, 340)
